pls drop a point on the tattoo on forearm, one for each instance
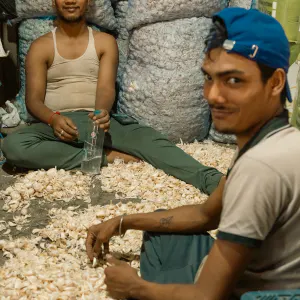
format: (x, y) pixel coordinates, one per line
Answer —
(165, 222)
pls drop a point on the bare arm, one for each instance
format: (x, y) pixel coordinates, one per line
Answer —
(105, 96)
(225, 264)
(36, 79)
(36, 82)
(186, 219)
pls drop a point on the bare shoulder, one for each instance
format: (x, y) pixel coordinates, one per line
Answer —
(42, 46)
(105, 42)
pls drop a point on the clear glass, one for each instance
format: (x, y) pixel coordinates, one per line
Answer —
(93, 149)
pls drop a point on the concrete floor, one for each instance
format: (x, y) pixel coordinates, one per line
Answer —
(39, 208)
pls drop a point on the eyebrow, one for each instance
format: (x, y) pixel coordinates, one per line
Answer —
(225, 73)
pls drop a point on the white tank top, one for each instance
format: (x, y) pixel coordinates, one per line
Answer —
(72, 83)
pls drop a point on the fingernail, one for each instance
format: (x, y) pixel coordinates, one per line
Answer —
(95, 262)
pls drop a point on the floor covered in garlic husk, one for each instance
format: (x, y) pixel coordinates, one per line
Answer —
(44, 218)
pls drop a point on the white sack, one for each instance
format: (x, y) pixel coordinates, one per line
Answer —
(163, 84)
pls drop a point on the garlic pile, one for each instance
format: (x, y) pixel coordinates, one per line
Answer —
(55, 262)
(141, 180)
(52, 264)
(143, 12)
(163, 82)
(50, 185)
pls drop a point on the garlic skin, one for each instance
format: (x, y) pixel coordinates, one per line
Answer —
(53, 261)
(52, 185)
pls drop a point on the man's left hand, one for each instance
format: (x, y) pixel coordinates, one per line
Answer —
(102, 119)
(120, 279)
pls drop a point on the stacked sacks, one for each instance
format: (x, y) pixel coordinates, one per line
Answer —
(218, 137)
(143, 12)
(243, 3)
(162, 82)
(121, 8)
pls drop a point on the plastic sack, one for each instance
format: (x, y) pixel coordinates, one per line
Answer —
(287, 12)
(219, 137)
(242, 3)
(100, 13)
(121, 15)
(123, 36)
(142, 12)
(163, 83)
(9, 116)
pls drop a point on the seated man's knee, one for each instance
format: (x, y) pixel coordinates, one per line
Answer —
(12, 148)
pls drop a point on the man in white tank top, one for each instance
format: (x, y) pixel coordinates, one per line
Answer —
(70, 72)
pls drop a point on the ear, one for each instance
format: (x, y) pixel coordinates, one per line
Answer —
(277, 82)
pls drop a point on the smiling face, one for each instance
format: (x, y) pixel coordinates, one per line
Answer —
(239, 100)
(71, 11)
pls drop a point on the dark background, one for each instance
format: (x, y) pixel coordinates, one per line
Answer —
(9, 74)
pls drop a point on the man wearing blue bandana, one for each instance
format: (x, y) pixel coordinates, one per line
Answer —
(257, 214)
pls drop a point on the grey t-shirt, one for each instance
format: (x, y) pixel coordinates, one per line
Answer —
(261, 209)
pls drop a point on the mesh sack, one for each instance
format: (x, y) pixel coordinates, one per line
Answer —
(242, 3)
(142, 12)
(163, 84)
(123, 36)
(219, 137)
(29, 30)
(121, 14)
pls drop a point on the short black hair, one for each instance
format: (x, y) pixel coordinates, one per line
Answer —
(215, 39)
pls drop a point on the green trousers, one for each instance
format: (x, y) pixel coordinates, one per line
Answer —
(173, 258)
(36, 147)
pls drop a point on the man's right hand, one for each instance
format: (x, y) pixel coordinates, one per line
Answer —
(101, 234)
(64, 128)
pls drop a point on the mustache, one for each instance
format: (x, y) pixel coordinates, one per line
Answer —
(221, 108)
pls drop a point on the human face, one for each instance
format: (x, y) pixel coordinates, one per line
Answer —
(239, 100)
(71, 11)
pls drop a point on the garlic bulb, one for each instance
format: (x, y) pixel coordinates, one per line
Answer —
(53, 261)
